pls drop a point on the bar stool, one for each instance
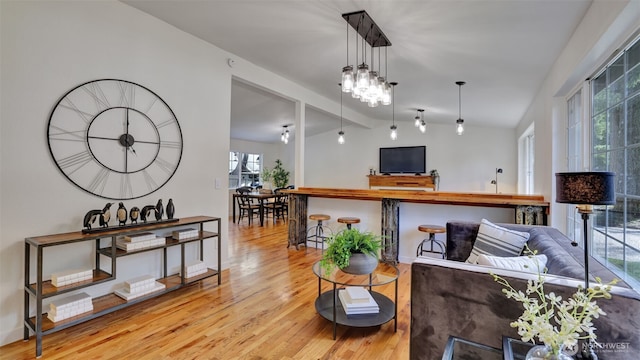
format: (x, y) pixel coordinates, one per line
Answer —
(432, 230)
(317, 232)
(349, 221)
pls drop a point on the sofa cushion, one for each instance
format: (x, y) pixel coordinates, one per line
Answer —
(532, 264)
(497, 241)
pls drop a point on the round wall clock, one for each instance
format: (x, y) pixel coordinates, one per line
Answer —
(115, 139)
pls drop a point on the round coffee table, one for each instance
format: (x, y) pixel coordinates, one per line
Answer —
(329, 306)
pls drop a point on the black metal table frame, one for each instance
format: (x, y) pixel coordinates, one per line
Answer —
(380, 297)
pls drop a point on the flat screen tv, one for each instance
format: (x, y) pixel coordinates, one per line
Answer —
(403, 160)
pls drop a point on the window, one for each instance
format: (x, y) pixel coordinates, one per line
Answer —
(244, 169)
(526, 146)
(615, 128)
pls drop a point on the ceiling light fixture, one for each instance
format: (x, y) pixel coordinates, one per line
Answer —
(284, 137)
(340, 133)
(460, 121)
(394, 128)
(420, 124)
(367, 85)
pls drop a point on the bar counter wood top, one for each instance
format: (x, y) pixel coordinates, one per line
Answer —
(428, 197)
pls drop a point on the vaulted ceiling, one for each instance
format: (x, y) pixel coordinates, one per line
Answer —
(502, 49)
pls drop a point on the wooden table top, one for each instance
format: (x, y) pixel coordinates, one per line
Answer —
(428, 197)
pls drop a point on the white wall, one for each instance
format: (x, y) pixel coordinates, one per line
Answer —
(604, 28)
(49, 48)
(465, 163)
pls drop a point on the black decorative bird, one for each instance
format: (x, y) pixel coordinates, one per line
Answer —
(90, 217)
(106, 215)
(171, 209)
(121, 214)
(159, 210)
(144, 214)
(133, 214)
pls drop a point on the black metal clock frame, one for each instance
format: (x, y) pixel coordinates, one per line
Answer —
(69, 164)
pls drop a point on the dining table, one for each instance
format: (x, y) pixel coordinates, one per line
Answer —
(262, 198)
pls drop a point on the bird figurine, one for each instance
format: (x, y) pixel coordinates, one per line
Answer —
(90, 217)
(171, 209)
(144, 214)
(106, 215)
(121, 214)
(133, 214)
(159, 210)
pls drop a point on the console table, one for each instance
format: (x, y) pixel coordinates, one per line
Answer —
(42, 289)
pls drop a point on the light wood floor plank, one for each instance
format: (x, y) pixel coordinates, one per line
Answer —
(264, 309)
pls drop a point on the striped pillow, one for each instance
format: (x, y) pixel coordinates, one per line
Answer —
(497, 241)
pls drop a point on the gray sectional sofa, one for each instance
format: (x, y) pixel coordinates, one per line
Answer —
(454, 298)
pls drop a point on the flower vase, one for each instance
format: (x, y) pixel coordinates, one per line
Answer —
(545, 352)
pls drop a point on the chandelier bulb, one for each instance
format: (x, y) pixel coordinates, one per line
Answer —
(341, 137)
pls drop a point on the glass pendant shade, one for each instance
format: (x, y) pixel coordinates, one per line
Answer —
(423, 127)
(372, 102)
(459, 126)
(372, 91)
(355, 93)
(282, 137)
(347, 79)
(417, 123)
(286, 134)
(394, 132)
(341, 137)
(386, 94)
(363, 78)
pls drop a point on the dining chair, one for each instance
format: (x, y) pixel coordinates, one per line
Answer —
(247, 206)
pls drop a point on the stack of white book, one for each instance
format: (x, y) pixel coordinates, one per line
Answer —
(357, 300)
(70, 277)
(194, 268)
(139, 241)
(185, 234)
(69, 307)
(139, 286)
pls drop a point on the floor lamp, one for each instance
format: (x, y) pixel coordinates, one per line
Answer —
(585, 189)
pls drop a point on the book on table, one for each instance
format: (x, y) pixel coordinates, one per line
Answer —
(360, 306)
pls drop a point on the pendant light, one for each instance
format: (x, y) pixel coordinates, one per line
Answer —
(365, 82)
(340, 133)
(394, 128)
(284, 137)
(460, 121)
(420, 124)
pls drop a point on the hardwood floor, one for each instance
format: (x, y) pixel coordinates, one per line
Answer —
(264, 309)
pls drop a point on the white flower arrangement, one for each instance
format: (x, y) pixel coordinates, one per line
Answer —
(555, 322)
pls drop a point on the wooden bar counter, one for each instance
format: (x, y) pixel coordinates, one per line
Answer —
(529, 209)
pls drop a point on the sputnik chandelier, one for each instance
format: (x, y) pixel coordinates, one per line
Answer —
(367, 85)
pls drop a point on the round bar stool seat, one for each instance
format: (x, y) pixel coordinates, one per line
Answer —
(432, 230)
(349, 220)
(319, 217)
(316, 233)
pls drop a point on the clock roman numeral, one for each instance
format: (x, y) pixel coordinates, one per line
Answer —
(79, 159)
(126, 190)
(171, 144)
(85, 116)
(100, 99)
(99, 181)
(165, 165)
(65, 135)
(151, 184)
(153, 102)
(127, 94)
(166, 122)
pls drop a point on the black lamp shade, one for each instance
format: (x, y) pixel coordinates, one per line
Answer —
(593, 188)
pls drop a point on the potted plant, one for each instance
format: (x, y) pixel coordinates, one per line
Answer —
(279, 175)
(352, 251)
(267, 175)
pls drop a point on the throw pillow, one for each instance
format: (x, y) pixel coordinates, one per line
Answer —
(533, 264)
(497, 241)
